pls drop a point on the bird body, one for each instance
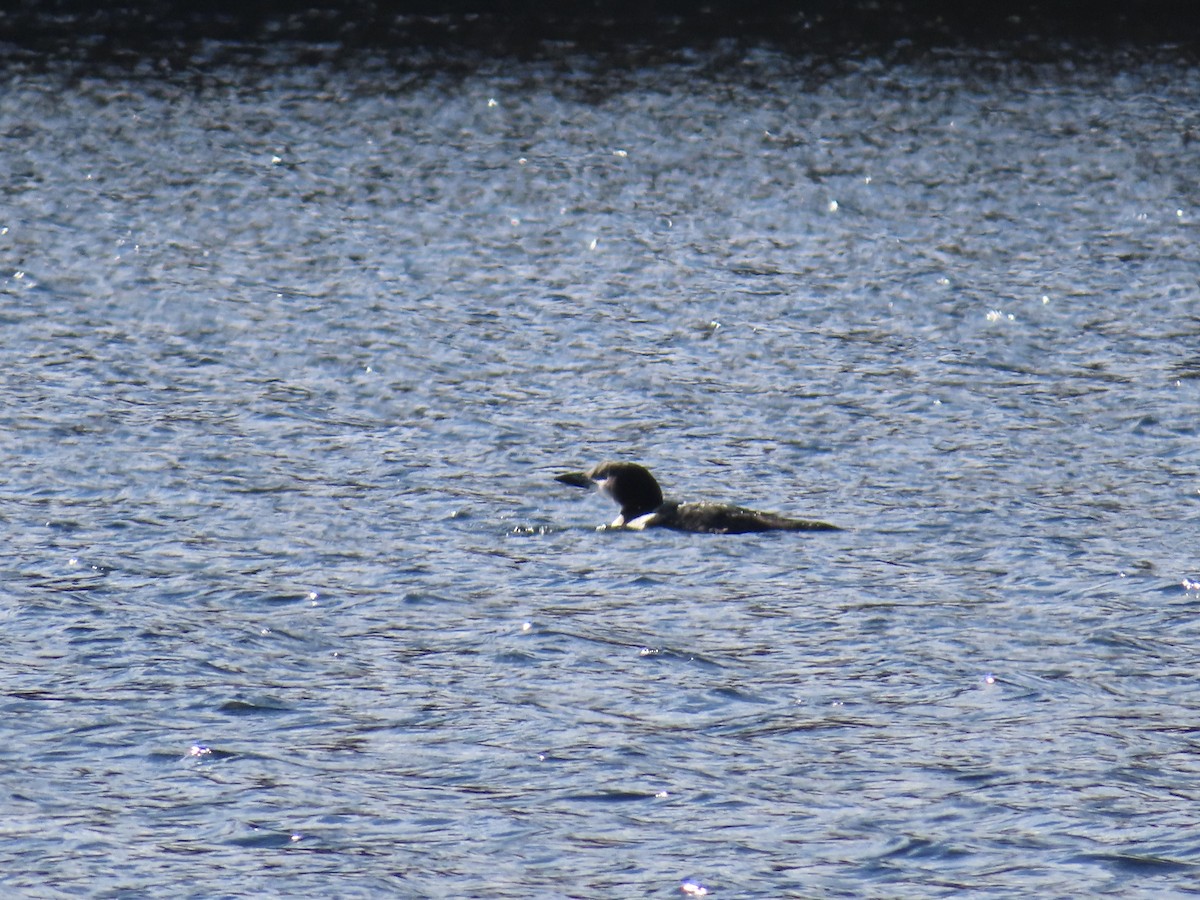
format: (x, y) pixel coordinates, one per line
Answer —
(642, 505)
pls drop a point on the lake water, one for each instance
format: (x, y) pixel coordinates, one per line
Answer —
(295, 342)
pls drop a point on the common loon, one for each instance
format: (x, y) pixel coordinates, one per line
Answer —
(642, 505)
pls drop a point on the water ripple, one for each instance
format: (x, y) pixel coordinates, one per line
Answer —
(293, 353)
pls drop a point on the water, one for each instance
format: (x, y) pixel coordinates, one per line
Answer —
(293, 349)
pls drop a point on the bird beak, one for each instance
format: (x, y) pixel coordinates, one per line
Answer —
(577, 479)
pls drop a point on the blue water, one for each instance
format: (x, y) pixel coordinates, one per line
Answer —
(293, 350)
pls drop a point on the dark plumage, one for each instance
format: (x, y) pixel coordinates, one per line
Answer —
(642, 505)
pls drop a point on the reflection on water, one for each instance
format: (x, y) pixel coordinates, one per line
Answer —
(293, 351)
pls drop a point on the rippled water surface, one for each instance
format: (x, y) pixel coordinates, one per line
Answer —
(293, 348)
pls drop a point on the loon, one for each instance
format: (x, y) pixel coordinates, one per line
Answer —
(642, 505)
